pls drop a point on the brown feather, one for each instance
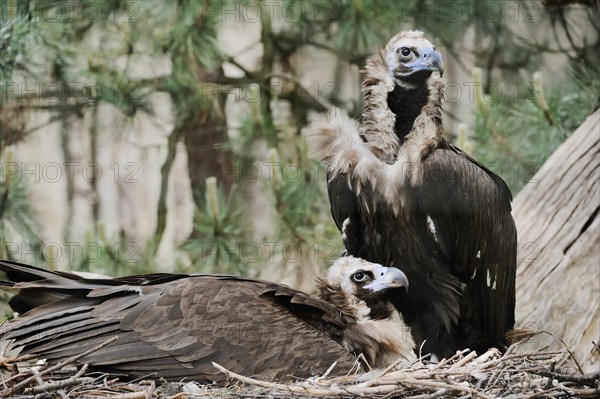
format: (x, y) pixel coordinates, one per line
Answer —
(402, 195)
(177, 326)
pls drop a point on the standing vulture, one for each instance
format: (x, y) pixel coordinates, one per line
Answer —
(402, 195)
(174, 326)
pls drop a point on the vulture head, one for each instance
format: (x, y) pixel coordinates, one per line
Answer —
(363, 289)
(412, 59)
(399, 81)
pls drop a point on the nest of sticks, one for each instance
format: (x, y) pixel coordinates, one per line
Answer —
(465, 375)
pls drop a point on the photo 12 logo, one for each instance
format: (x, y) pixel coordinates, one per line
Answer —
(68, 11)
(69, 92)
(54, 172)
(70, 252)
(273, 252)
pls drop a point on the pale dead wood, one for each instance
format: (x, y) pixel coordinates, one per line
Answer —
(82, 370)
(55, 385)
(558, 277)
(459, 377)
(463, 361)
(589, 378)
(496, 374)
(273, 385)
(59, 385)
(457, 355)
(19, 359)
(133, 395)
(464, 375)
(17, 387)
(148, 393)
(37, 376)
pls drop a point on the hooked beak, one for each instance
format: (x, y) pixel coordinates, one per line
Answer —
(392, 278)
(430, 60)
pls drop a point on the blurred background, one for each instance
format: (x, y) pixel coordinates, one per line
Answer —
(142, 136)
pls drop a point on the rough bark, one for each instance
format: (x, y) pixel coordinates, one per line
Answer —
(558, 272)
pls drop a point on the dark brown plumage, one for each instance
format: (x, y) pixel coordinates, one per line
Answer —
(174, 326)
(402, 195)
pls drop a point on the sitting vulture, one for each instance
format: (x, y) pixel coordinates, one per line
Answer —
(174, 326)
(402, 195)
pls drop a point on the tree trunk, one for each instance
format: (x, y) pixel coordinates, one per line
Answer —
(558, 272)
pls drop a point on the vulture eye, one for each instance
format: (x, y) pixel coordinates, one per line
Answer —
(405, 51)
(360, 277)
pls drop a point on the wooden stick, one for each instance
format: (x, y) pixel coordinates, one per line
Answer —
(587, 379)
(17, 387)
(37, 376)
(464, 360)
(492, 380)
(274, 385)
(82, 370)
(20, 358)
(564, 344)
(54, 385)
(354, 390)
(457, 355)
(132, 395)
(376, 378)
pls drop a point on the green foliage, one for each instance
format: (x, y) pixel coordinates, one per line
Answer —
(192, 39)
(217, 242)
(516, 134)
(513, 135)
(128, 97)
(100, 254)
(295, 197)
(301, 205)
(18, 224)
(355, 32)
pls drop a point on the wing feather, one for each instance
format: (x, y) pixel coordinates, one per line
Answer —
(177, 328)
(470, 208)
(346, 212)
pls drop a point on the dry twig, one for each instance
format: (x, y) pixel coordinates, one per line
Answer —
(17, 387)
(464, 375)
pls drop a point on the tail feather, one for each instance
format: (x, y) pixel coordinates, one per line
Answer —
(33, 287)
(18, 272)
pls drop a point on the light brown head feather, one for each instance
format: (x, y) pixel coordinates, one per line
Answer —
(377, 119)
(371, 154)
(333, 139)
(413, 40)
(408, 38)
(381, 341)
